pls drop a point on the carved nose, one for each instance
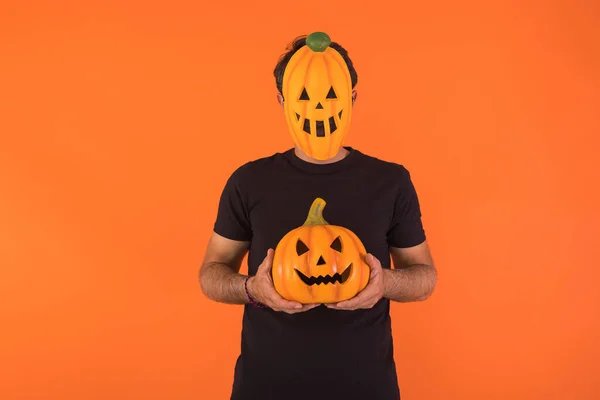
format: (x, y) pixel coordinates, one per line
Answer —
(319, 106)
(321, 261)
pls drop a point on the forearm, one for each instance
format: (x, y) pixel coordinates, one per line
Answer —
(413, 283)
(219, 282)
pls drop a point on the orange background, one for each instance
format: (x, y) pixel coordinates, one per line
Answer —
(119, 124)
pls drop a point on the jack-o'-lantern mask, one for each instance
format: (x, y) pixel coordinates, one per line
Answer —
(317, 93)
(319, 263)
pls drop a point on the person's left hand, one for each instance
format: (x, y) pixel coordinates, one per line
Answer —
(371, 294)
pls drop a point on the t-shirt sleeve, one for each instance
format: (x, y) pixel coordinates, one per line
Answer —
(232, 220)
(406, 228)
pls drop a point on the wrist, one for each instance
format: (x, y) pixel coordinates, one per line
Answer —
(248, 288)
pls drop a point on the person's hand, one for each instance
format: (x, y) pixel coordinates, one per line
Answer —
(371, 294)
(261, 288)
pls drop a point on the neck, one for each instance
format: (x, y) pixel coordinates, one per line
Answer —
(342, 153)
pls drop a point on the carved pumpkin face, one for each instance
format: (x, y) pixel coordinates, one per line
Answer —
(319, 263)
(317, 92)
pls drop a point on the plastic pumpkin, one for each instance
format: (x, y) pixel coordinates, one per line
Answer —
(319, 263)
(317, 92)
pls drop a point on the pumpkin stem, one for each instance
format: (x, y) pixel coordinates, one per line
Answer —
(315, 214)
(318, 41)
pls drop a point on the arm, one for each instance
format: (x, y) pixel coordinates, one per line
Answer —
(414, 275)
(221, 282)
(219, 277)
(412, 279)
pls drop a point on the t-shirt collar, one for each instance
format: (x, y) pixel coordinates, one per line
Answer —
(306, 166)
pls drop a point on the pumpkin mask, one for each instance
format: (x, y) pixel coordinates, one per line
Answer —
(319, 263)
(317, 93)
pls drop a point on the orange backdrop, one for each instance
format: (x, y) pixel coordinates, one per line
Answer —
(119, 124)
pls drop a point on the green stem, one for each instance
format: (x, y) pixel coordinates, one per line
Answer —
(318, 41)
(315, 214)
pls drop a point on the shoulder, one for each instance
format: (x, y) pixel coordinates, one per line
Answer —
(389, 169)
(256, 169)
(394, 174)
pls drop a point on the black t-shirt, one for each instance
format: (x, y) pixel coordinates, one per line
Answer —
(320, 354)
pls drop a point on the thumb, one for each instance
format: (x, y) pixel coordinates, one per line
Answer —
(372, 261)
(267, 263)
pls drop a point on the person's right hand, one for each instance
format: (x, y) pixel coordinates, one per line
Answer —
(260, 287)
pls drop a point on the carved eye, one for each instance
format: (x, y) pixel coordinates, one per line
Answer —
(337, 245)
(301, 248)
(304, 95)
(331, 94)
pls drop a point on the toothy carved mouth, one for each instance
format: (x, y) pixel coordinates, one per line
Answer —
(317, 280)
(320, 125)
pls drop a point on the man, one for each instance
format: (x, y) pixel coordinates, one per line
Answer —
(328, 351)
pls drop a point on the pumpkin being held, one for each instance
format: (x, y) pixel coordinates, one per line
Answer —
(318, 262)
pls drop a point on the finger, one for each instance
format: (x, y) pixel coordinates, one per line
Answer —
(278, 301)
(354, 302)
(305, 307)
(353, 305)
(346, 304)
(368, 303)
(368, 292)
(372, 261)
(267, 263)
(282, 303)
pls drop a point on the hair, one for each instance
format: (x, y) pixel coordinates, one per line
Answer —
(293, 47)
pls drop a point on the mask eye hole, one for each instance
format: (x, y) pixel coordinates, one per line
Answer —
(301, 248)
(304, 95)
(337, 245)
(331, 94)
